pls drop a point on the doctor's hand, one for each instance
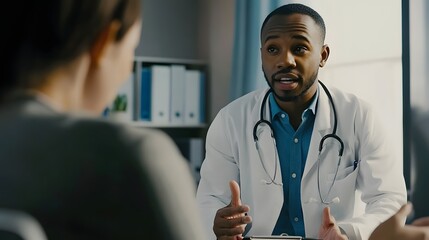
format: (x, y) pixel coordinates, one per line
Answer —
(394, 229)
(329, 229)
(230, 221)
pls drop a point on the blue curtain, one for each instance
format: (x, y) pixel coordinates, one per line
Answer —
(247, 67)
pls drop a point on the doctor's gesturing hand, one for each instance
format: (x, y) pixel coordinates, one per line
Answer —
(329, 229)
(230, 221)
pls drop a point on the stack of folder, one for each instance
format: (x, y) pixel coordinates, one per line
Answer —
(171, 94)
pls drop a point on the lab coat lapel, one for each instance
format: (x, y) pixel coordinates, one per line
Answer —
(323, 124)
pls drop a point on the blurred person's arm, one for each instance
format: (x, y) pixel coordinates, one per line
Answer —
(394, 229)
(173, 187)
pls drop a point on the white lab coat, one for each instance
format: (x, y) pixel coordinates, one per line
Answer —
(231, 155)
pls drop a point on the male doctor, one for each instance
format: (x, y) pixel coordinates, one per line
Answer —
(268, 142)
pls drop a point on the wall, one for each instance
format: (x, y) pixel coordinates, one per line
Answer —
(169, 29)
(366, 57)
(217, 35)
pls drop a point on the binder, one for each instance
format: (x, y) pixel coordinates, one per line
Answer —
(145, 95)
(192, 97)
(177, 92)
(161, 83)
(203, 97)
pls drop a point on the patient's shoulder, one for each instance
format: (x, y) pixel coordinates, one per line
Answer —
(106, 134)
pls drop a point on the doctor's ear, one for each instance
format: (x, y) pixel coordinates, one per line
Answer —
(324, 55)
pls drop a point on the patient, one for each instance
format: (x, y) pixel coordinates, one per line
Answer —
(83, 177)
(393, 229)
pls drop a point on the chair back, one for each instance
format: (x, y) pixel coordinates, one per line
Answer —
(18, 225)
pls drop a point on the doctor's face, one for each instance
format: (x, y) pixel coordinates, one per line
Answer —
(292, 52)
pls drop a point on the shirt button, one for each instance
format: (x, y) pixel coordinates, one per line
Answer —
(293, 175)
(296, 219)
(296, 140)
(283, 115)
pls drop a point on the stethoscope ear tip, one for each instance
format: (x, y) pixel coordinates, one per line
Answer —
(264, 182)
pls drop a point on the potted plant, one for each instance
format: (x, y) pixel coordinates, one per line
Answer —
(119, 108)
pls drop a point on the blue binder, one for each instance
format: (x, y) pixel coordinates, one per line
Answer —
(145, 95)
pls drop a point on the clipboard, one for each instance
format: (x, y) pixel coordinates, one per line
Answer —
(273, 237)
(278, 237)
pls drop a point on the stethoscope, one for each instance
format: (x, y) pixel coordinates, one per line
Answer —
(331, 135)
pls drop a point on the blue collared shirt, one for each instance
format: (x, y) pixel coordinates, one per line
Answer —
(292, 148)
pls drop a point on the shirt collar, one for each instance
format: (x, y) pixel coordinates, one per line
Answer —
(275, 108)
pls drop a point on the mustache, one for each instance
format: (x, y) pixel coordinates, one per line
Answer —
(282, 71)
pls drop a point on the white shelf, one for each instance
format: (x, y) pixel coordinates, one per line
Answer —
(165, 125)
(169, 60)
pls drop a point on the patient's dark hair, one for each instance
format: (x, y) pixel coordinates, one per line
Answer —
(290, 9)
(42, 35)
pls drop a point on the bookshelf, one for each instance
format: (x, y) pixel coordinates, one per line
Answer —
(190, 94)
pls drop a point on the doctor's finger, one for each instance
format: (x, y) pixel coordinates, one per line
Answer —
(235, 193)
(233, 222)
(327, 218)
(227, 212)
(238, 230)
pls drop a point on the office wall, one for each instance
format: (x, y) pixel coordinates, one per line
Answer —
(217, 37)
(170, 29)
(366, 57)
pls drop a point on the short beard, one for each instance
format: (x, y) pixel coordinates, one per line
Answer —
(290, 98)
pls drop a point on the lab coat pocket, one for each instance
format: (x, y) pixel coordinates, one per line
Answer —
(343, 190)
(342, 173)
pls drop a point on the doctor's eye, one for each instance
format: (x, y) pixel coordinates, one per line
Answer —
(272, 50)
(300, 49)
